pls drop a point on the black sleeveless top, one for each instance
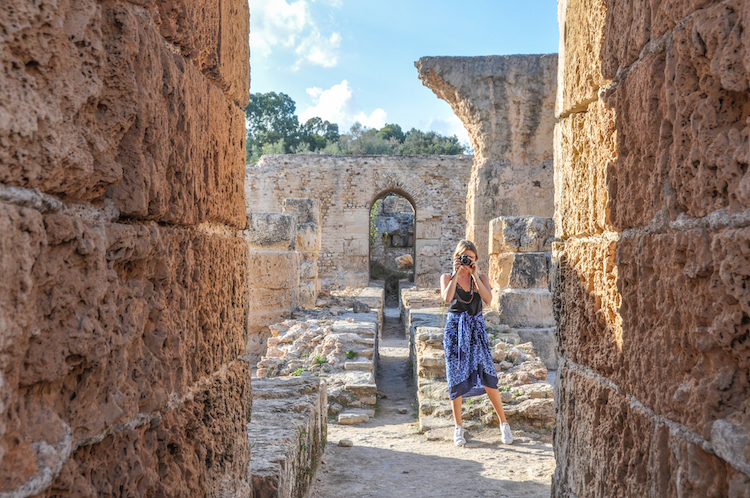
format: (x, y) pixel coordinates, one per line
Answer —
(474, 307)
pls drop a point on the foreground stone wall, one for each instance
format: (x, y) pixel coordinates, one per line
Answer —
(651, 283)
(507, 105)
(123, 288)
(347, 187)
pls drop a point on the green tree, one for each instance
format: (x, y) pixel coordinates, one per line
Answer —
(270, 118)
(419, 142)
(390, 131)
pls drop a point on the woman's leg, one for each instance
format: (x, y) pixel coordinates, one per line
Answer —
(497, 403)
(456, 406)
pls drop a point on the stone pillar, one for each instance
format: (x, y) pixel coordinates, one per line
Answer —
(651, 283)
(307, 213)
(123, 281)
(520, 253)
(273, 276)
(507, 105)
(432, 255)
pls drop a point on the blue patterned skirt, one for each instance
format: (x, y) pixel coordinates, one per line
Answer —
(468, 359)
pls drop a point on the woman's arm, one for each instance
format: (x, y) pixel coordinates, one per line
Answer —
(483, 284)
(448, 284)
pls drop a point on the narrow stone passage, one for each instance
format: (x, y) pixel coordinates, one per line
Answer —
(389, 458)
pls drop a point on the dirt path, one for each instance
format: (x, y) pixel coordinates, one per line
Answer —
(389, 458)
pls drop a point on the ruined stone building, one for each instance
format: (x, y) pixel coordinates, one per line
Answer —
(128, 303)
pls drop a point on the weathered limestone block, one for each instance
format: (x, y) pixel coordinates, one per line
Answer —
(630, 26)
(108, 110)
(524, 307)
(579, 74)
(274, 290)
(544, 340)
(273, 270)
(691, 272)
(306, 210)
(657, 106)
(521, 234)
(200, 444)
(288, 435)
(213, 35)
(644, 460)
(271, 232)
(585, 282)
(516, 270)
(95, 312)
(507, 105)
(584, 146)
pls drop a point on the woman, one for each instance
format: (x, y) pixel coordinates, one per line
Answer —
(468, 359)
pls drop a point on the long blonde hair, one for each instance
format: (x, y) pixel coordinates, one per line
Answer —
(466, 245)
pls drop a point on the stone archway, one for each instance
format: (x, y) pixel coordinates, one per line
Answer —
(392, 238)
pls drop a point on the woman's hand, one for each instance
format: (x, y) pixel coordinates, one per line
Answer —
(458, 268)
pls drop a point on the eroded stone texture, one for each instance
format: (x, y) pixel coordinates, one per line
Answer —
(578, 74)
(213, 35)
(507, 105)
(95, 315)
(123, 297)
(651, 282)
(194, 446)
(98, 106)
(346, 188)
(644, 459)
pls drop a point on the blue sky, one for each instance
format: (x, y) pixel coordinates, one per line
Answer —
(353, 60)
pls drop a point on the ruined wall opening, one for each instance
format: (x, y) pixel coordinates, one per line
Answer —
(392, 240)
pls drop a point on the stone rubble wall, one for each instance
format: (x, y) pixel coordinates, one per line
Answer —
(507, 105)
(347, 187)
(651, 283)
(338, 342)
(123, 296)
(520, 256)
(288, 435)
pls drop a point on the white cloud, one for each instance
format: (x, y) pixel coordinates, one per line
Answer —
(279, 24)
(338, 105)
(317, 50)
(449, 127)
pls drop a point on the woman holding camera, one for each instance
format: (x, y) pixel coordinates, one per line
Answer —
(468, 359)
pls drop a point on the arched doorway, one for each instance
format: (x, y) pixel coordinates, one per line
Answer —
(392, 240)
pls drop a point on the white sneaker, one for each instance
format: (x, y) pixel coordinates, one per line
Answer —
(507, 436)
(458, 436)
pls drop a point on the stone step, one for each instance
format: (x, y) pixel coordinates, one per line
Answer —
(358, 365)
(355, 416)
(287, 434)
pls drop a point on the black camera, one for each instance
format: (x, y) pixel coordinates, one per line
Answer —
(465, 260)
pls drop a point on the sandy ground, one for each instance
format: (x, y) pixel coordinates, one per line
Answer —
(389, 458)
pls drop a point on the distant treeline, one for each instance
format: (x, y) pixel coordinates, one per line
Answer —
(273, 128)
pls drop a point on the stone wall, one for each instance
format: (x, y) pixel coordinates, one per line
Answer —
(123, 295)
(507, 105)
(651, 282)
(347, 187)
